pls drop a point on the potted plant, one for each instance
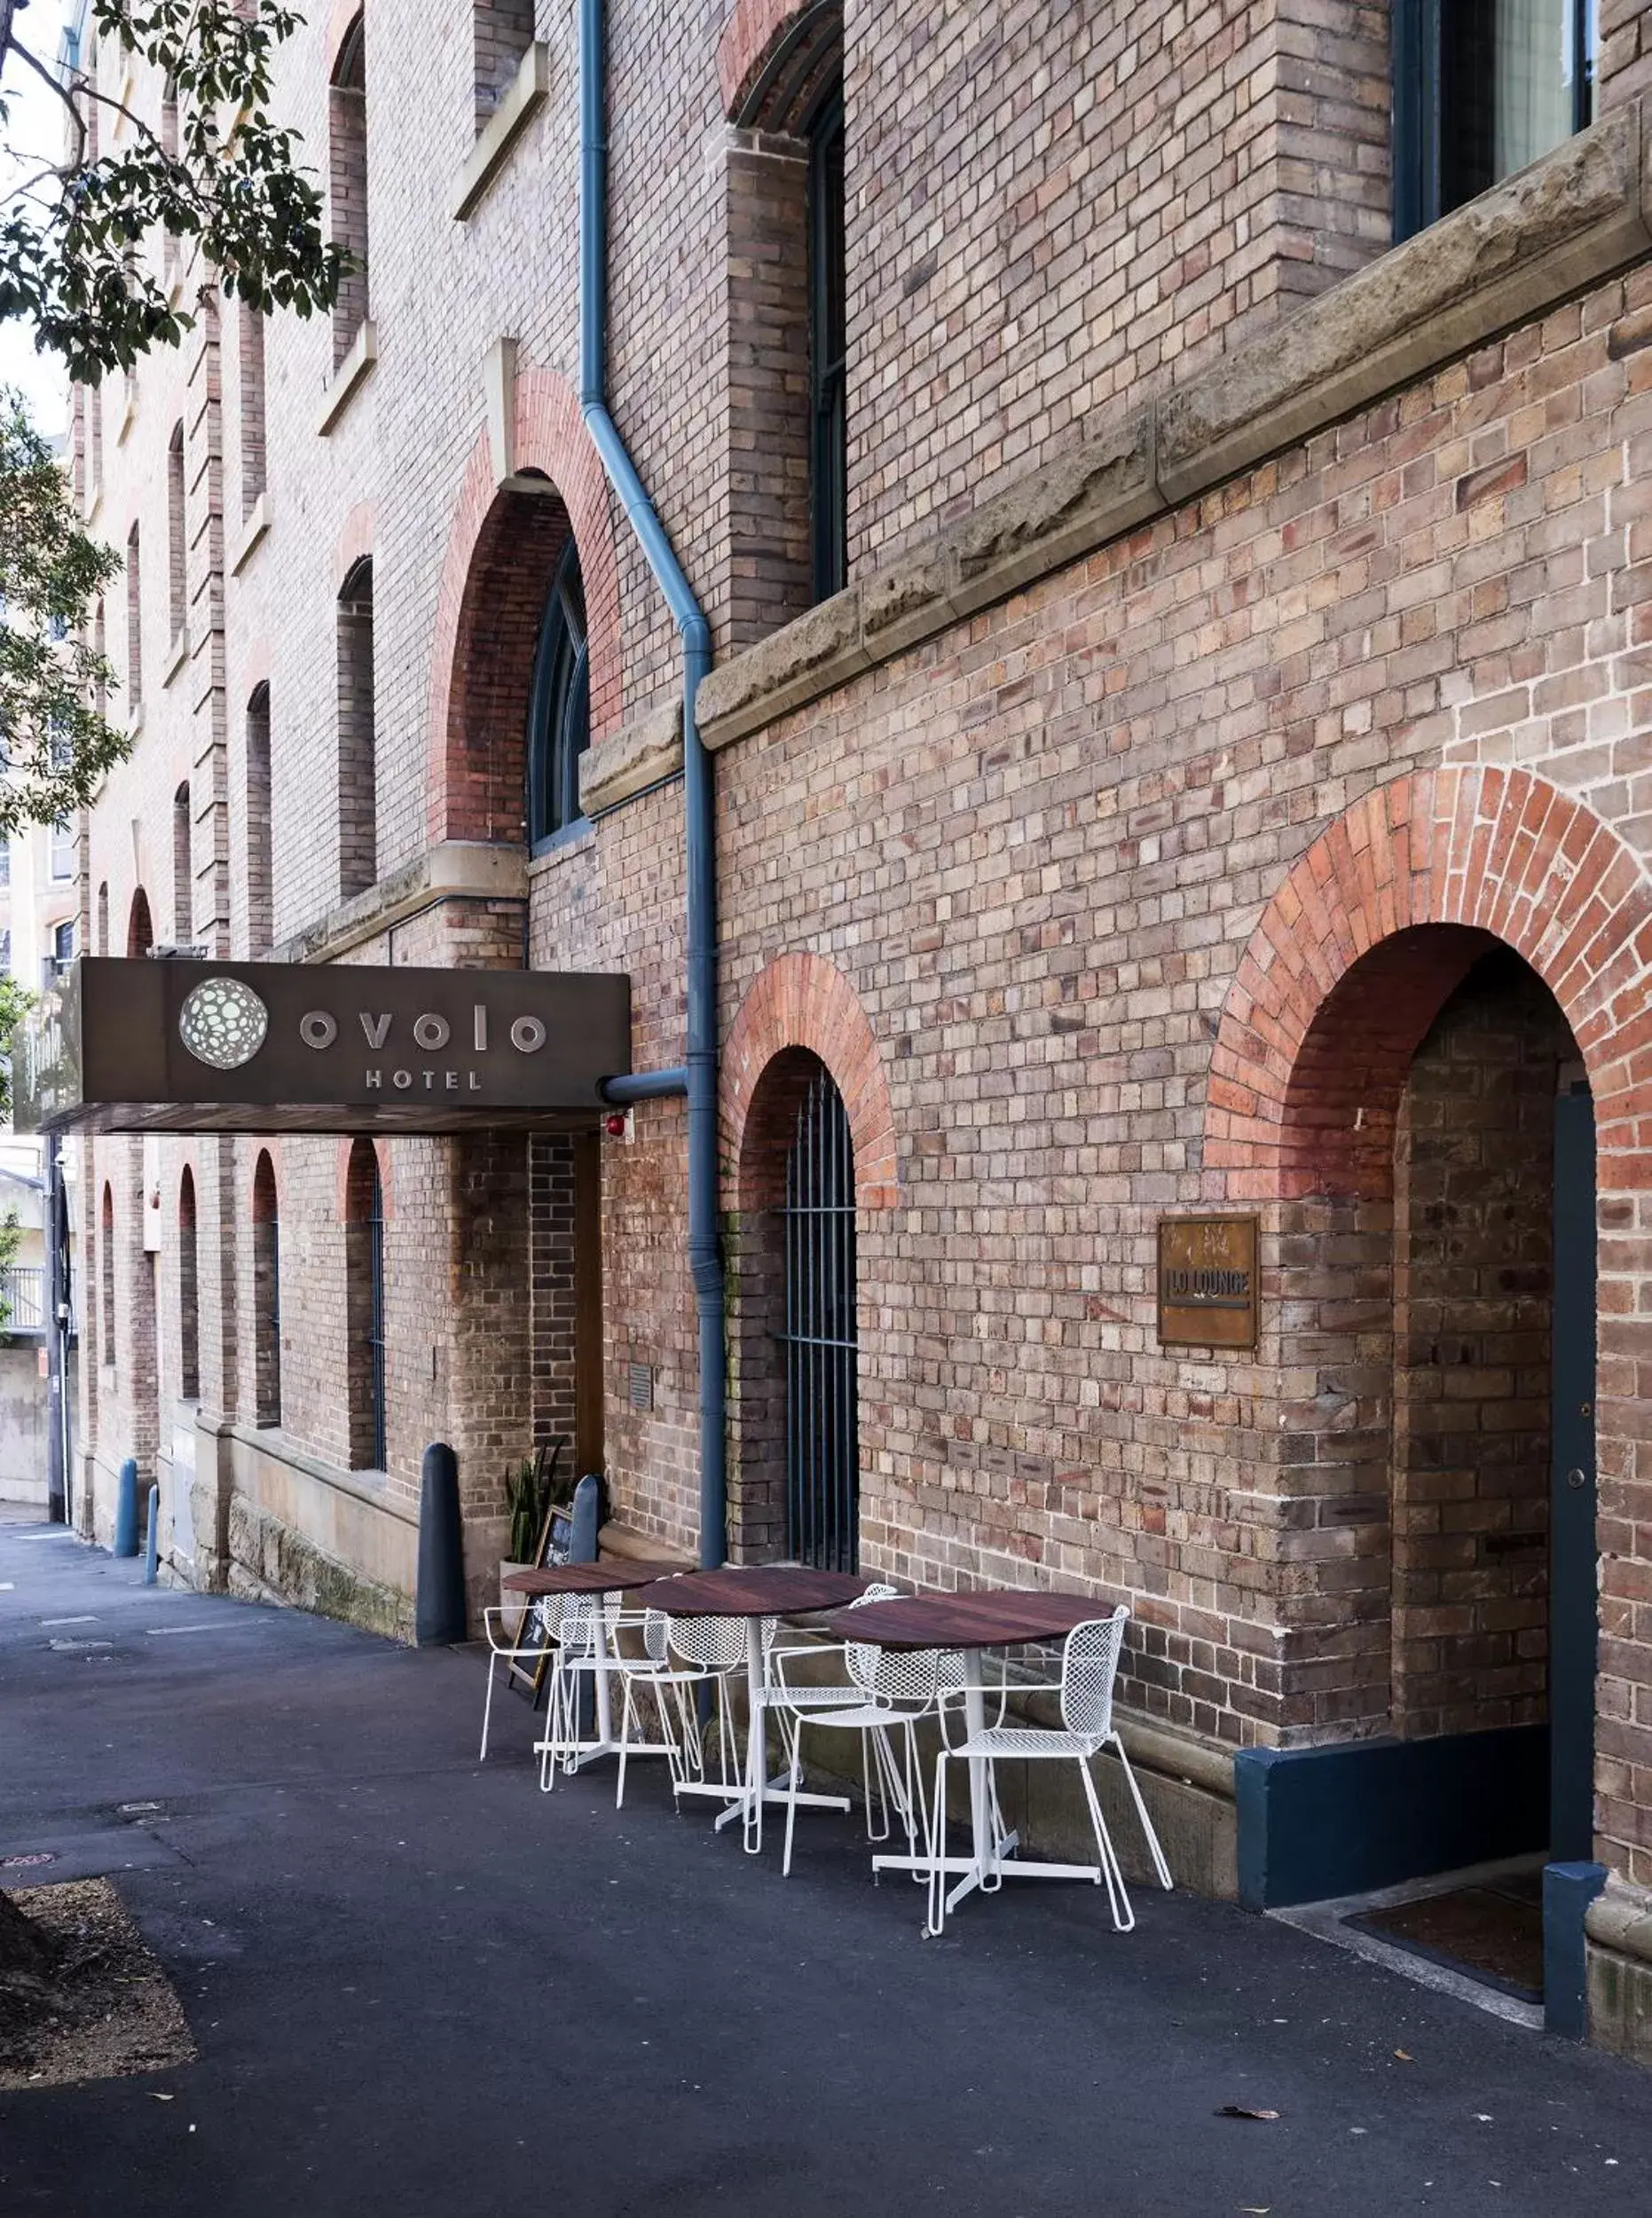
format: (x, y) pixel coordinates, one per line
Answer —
(530, 1494)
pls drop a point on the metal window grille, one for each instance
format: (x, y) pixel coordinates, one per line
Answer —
(272, 1411)
(819, 1344)
(375, 1325)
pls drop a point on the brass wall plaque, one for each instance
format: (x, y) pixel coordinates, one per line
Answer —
(1208, 1291)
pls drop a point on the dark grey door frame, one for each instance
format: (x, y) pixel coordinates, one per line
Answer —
(1574, 1607)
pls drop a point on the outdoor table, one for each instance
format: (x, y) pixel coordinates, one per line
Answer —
(618, 1577)
(1001, 1617)
(755, 1591)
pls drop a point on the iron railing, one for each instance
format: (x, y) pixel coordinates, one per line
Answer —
(23, 1290)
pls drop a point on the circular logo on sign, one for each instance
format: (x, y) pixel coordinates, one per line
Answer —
(223, 1023)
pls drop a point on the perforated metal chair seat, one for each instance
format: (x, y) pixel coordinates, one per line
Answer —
(1029, 1739)
(867, 1719)
(790, 1696)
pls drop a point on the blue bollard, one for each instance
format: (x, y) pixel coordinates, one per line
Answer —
(126, 1509)
(439, 1600)
(151, 1547)
(587, 1519)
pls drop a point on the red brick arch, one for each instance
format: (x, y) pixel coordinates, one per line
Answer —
(501, 547)
(804, 1002)
(340, 21)
(354, 541)
(754, 29)
(1308, 1063)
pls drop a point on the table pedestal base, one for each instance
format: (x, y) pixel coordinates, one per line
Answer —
(975, 1874)
(739, 1798)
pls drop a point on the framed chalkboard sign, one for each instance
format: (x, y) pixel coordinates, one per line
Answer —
(534, 1644)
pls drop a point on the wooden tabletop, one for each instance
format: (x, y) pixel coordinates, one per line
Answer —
(997, 1618)
(617, 1576)
(755, 1590)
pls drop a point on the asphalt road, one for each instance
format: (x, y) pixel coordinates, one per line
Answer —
(420, 1986)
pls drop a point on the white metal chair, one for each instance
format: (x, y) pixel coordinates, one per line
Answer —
(526, 1642)
(683, 1654)
(579, 1631)
(892, 1690)
(1090, 1665)
(679, 1721)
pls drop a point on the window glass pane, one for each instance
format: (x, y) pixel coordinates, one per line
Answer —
(559, 705)
(1532, 100)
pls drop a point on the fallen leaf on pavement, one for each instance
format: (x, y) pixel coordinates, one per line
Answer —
(1405, 2056)
(154, 2098)
(1238, 2110)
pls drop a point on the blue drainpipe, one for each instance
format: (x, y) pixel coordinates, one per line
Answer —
(705, 1260)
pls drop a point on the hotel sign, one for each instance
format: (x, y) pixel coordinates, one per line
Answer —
(174, 1046)
(1208, 1295)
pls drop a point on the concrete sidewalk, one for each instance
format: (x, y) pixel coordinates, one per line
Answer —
(419, 1985)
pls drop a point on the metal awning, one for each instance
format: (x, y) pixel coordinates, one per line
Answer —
(168, 1045)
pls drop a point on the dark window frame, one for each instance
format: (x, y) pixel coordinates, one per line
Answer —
(559, 706)
(1431, 166)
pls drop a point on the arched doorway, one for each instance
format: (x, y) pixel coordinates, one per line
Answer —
(1459, 942)
(1437, 1306)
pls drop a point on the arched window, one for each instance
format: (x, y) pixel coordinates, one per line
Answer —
(786, 321)
(266, 1292)
(828, 348)
(102, 918)
(259, 878)
(819, 1337)
(188, 1290)
(140, 932)
(363, 1288)
(251, 408)
(169, 147)
(105, 1277)
(182, 904)
(178, 562)
(357, 776)
(134, 622)
(559, 705)
(347, 135)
